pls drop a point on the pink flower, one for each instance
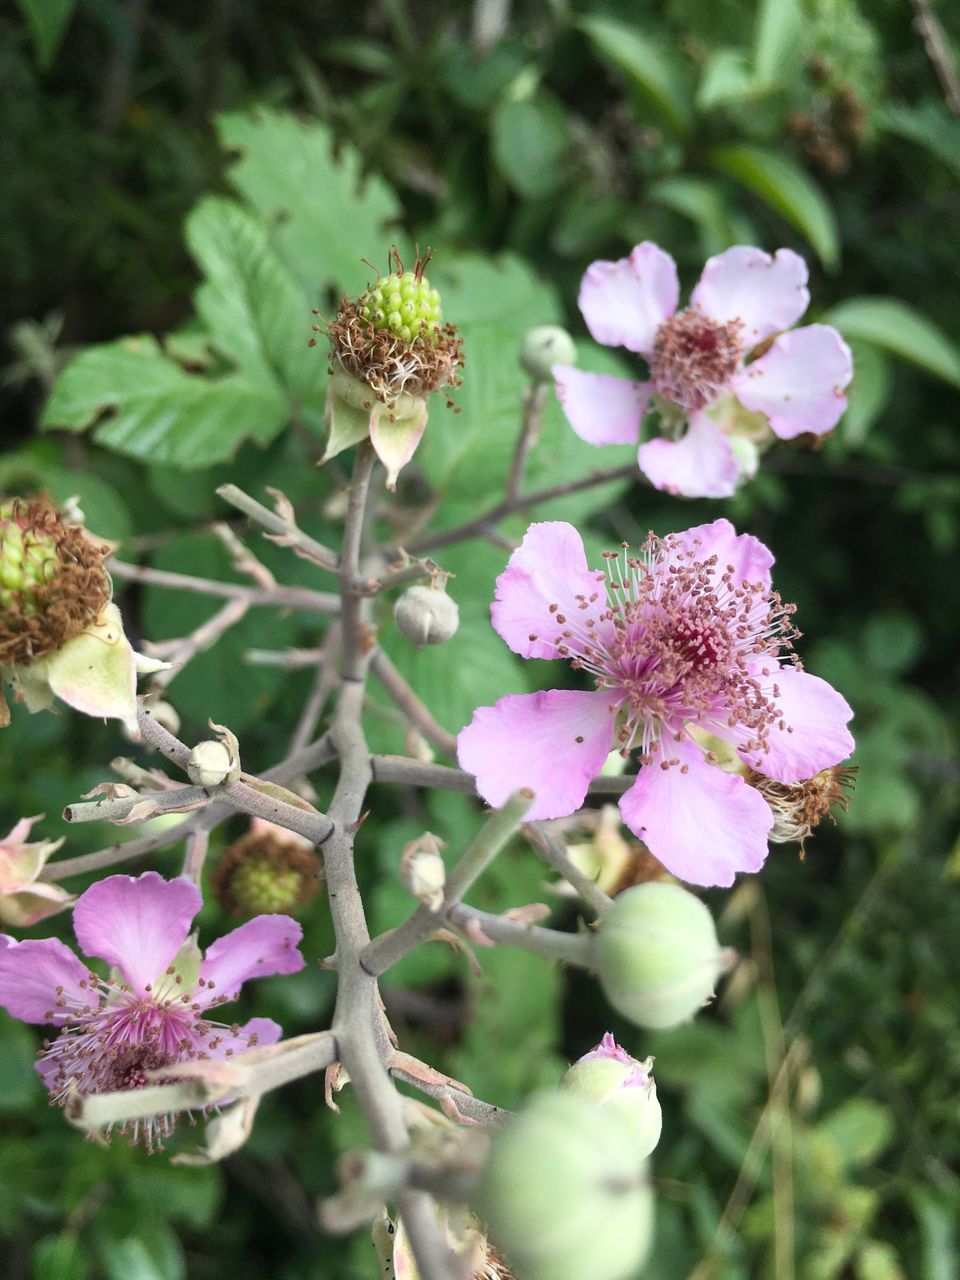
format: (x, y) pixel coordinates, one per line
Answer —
(151, 1011)
(700, 381)
(687, 636)
(24, 899)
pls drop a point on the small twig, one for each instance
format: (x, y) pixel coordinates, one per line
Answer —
(534, 402)
(552, 944)
(417, 773)
(412, 571)
(481, 525)
(198, 843)
(415, 711)
(179, 652)
(323, 684)
(279, 597)
(280, 529)
(390, 947)
(934, 41)
(553, 852)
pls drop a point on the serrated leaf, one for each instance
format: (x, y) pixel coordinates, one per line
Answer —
(777, 39)
(47, 20)
(897, 327)
(144, 405)
(651, 66)
(785, 187)
(257, 316)
(322, 215)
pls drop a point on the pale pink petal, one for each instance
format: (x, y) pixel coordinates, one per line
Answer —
(541, 585)
(814, 734)
(701, 465)
(742, 553)
(601, 409)
(218, 1042)
(555, 743)
(137, 923)
(766, 293)
(799, 383)
(20, 832)
(625, 302)
(40, 977)
(704, 825)
(258, 949)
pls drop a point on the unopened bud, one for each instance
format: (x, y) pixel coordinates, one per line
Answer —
(422, 870)
(426, 615)
(542, 348)
(609, 1075)
(565, 1194)
(657, 955)
(209, 764)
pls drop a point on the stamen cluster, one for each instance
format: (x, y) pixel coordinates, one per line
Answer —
(694, 357)
(798, 808)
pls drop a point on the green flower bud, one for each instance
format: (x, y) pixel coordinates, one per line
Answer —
(426, 615)
(657, 955)
(564, 1193)
(609, 1075)
(542, 348)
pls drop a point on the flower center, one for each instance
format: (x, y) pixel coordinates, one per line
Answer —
(695, 357)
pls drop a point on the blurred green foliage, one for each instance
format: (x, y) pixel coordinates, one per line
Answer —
(181, 188)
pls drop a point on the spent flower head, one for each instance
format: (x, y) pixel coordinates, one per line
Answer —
(268, 869)
(389, 351)
(685, 637)
(723, 376)
(152, 1011)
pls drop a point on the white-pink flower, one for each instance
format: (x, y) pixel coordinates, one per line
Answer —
(24, 898)
(687, 636)
(702, 377)
(153, 1010)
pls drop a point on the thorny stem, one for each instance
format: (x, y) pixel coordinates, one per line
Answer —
(555, 855)
(493, 835)
(279, 597)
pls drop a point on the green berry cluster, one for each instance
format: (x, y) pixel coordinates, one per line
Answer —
(404, 305)
(260, 886)
(28, 559)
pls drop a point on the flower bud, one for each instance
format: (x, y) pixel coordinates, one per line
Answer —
(209, 764)
(609, 1075)
(542, 348)
(565, 1194)
(657, 955)
(423, 871)
(426, 615)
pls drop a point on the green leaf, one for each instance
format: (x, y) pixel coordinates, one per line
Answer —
(938, 1219)
(156, 1256)
(897, 327)
(868, 393)
(727, 77)
(322, 216)
(777, 40)
(257, 316)
(929, 126)
(651, 66)
(702, 201)
(59, 1258)
(142, 404)
(529, 142)
(785, 187)
(859, 1130)
(47, 20)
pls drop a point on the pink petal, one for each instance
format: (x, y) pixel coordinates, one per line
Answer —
(223, 1043)
(749, 559)
(815, 735)
(137, 923)
(704, 825)
(767, 294)
(701, 465)
(20, 832)
(549, 568)
(601, 409)
(799, 383)
(258, 949)
(625, 302)
(555, 743)
(38, 974)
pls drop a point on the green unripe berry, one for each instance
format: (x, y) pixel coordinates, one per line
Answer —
(565, 1194)
(28, 559)
(543, 347)
(261, 888)
(403, 305)
(657, 955)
